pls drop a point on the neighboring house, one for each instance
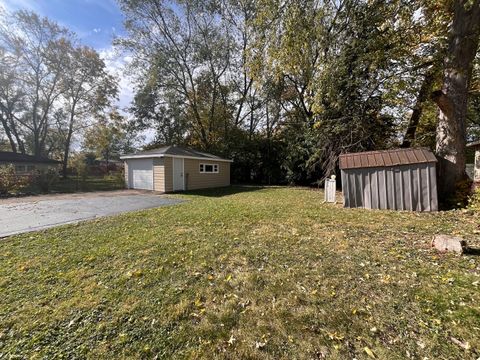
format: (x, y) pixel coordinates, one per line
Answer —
(173, 168)
(27, 164)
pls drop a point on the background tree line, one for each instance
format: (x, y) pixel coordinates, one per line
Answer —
(53, 91)
(284, 87)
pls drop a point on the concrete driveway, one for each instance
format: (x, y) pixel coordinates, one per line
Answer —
(21, 215)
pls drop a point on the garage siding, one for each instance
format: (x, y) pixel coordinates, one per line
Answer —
(197, 180)
(168, 166)
(163, 177)
(158, 174)
(125, 167)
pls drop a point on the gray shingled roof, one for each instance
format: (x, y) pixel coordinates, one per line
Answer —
(11, 157)
(176, 151)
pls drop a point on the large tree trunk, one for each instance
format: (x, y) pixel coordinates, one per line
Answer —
(452, 99)
(68, 140)
(422, 96)
(66, 154)
(6, 128)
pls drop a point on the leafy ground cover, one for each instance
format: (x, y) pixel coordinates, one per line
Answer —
(243, 273)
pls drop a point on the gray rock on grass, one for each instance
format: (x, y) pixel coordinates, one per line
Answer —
(447, 243)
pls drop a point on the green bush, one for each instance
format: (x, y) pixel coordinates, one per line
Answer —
(119, 177)
(474, 200)
(78, 164)
(10, 181)
(461, 195)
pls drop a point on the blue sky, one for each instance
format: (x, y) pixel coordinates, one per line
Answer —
(95, 22)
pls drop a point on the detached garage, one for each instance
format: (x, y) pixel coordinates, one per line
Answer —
(173, 168)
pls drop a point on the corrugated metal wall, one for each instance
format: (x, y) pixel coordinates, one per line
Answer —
(406, 187)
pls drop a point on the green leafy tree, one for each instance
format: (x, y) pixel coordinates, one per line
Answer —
(109, 137)
(87, 90)
(33, 53)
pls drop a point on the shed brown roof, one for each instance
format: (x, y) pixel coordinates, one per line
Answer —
(385, 158)
(475, 144)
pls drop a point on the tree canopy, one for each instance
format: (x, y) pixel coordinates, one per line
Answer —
(285, 87)
(51, 86)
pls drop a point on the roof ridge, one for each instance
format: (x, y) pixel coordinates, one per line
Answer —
(175, 150)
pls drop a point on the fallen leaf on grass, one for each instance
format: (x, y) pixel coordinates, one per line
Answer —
(463, 344)
(231, 341)
(369, 352)
(260, 345)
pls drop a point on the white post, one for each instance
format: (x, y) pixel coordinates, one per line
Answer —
(330, 189)
(476, 169)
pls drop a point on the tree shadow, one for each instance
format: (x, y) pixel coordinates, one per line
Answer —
(223, 191)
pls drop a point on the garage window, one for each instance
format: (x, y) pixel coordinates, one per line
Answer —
(209, 168)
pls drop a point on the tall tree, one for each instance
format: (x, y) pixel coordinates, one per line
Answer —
(452, 99)
(109, 137)
(174, 44)
(37, 46)
(423, 95)
(195, 53)
(87, 89)
(11, 101)
(341, 63)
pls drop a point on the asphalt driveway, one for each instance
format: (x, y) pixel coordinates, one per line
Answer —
(35, 213)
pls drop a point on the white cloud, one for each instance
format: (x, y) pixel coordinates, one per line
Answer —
(12, 5)
(107, 5)
(116, 64)
(97, 30)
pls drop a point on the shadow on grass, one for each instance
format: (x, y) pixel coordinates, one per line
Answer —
(472, 251)
(223, 191)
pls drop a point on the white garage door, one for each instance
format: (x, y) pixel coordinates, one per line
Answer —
(140, 174)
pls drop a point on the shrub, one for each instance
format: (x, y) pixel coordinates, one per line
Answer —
(45, 179)
(474, 200)
(461, 195)
(119, 177)
(79, 166)
(10, 181)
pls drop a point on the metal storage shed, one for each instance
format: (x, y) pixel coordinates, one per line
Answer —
(400, 179)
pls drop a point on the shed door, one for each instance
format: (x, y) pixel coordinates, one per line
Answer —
(178, 182)
(140, 174)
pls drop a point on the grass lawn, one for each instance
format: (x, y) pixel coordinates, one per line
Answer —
(243, 273)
